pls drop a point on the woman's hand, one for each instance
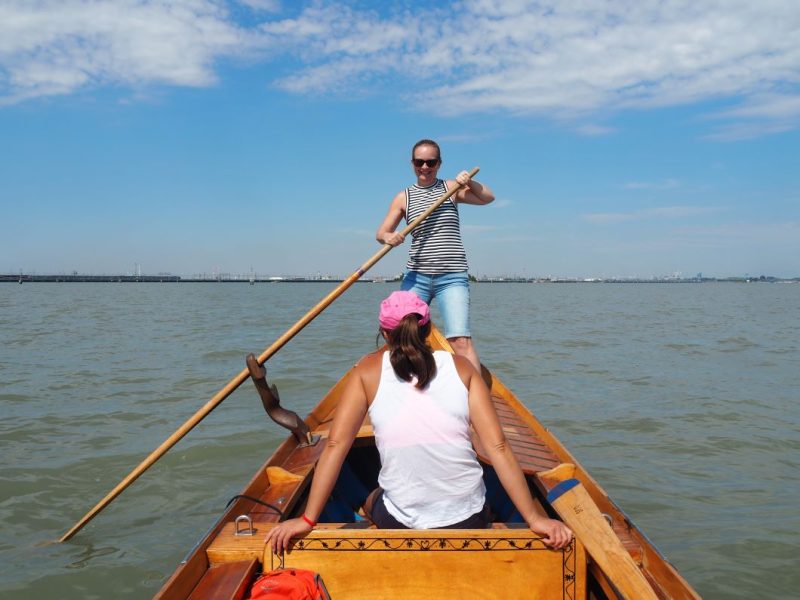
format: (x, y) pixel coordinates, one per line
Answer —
(463, 178)
(393, 238)
(282, 533)
(554, 533)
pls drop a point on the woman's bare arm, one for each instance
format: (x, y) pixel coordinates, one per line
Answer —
(487, 425)
(473, 191)
(350, 414)
(386, 233)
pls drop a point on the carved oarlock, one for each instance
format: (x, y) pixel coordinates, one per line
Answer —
(271, 401)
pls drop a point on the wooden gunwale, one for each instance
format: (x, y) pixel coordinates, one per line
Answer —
(535, 447)
(191, 570)
(665, 579)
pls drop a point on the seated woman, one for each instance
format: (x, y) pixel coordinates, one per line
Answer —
(421, 404)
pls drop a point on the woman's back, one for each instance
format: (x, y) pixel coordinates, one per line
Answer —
(421, 405)
(430, 474)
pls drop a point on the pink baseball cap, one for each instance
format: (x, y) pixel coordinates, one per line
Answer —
(400, 304)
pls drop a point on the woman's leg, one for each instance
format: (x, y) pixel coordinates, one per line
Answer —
(451, 291)
(419, 283)
(370, 502)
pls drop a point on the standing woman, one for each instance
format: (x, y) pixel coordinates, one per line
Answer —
(421, 404)
(437, 263)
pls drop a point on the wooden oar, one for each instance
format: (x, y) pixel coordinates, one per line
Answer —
(244, 374)
(576, 507)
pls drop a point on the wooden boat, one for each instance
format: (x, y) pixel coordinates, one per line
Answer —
(359, 561)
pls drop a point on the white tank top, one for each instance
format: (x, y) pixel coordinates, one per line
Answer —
(429, 472)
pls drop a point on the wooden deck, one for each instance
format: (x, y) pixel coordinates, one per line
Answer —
(534, 456)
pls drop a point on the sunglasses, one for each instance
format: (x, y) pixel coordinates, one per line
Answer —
(431, 162)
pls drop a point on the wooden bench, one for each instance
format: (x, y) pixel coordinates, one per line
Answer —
(357, 561)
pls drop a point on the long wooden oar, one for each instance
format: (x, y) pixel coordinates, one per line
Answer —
(244, 374)
(576, 507)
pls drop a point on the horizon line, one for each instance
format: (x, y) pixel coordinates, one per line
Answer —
(253, 277)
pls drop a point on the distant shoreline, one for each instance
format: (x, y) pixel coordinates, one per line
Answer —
(75, 278)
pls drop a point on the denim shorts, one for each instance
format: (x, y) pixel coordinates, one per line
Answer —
(451, 291)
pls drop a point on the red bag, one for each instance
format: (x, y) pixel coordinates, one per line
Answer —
(289, 584)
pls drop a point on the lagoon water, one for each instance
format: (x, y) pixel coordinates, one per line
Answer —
(683, 402)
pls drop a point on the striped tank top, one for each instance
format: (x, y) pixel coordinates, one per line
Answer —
(436, 247)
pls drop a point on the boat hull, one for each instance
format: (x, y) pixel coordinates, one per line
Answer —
(357, 561)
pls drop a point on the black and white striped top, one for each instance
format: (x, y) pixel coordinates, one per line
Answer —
(436, 247)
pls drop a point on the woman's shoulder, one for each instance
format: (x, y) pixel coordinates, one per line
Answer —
(464, 368)
(444, 354)
(370, 362)
(368, 372)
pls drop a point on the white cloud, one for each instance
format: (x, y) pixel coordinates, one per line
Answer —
(479, 228)
(679, 212)
(265, 5)
(501, 203)
(772, 106)
(605, 218)
(594, 130)
(566, 60)
(749, 130)
(563, 60)
(667, 184)
(361, 233)
(57, 47)
(760, 115)
(770, 233)
(668, 212)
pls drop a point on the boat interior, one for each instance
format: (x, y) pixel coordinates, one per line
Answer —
(356, 560)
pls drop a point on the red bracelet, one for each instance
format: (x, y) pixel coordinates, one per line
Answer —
(309, 521)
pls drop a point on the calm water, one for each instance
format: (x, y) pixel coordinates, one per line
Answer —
(681, 400)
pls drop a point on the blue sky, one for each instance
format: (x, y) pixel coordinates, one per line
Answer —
(199, 136)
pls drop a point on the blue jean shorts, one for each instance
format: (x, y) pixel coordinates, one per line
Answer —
(451, 291)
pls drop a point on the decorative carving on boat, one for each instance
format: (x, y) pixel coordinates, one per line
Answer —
(565, 576)
(424, 544)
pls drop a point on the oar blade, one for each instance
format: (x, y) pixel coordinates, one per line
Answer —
(577, 509)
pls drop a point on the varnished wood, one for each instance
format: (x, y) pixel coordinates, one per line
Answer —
(185, 578)
(492, 563)
(535, 447)
(579, 511)
(365, 431)
(270, 399)
(190, 572)
(228, 547)
(277, 475)
(230, 580)
(468, 564)
(670, 584)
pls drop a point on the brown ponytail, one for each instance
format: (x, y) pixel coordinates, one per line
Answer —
(409, 354)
